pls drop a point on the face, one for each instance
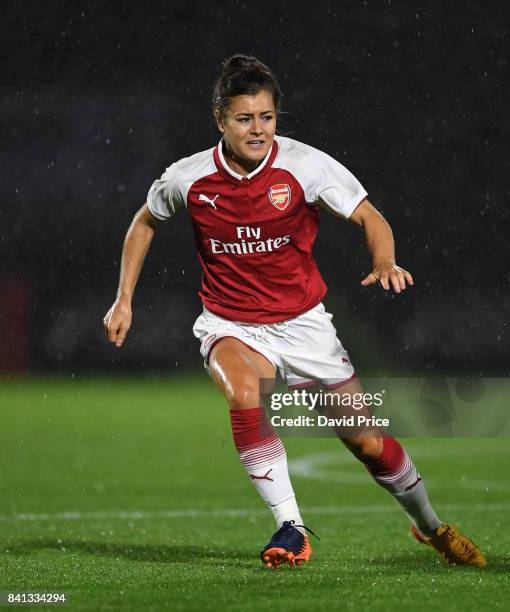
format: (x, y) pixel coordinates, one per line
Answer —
(248, 128)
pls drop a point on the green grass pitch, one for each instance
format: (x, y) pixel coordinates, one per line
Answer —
(128, 495)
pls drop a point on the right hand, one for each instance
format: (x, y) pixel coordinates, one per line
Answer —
(117, 322)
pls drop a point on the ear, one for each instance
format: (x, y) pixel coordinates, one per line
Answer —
(219, 121)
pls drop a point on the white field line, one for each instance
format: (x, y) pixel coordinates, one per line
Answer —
(330, 467)
(318, 466)
(234, 512)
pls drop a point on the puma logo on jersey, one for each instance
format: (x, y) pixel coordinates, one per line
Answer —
(204, 198)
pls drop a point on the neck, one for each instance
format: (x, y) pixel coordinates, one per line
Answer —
(237, 164)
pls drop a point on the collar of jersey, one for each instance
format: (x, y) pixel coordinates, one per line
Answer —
(228, 173)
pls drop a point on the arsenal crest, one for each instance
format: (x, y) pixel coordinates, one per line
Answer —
(279, 196)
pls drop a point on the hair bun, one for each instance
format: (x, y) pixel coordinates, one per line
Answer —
(239, 61)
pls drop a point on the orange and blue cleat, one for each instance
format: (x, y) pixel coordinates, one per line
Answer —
(288, 545)
(454, 547)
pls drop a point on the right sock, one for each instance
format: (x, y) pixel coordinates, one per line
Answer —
(265, 460)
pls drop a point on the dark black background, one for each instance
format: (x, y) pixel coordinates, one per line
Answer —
(98, 98)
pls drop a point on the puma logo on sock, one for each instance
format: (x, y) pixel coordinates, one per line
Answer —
(265, 477)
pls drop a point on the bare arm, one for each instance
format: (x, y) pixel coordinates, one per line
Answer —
(382, 249)
(117, 320)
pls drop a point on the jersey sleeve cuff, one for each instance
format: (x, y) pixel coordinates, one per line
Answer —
(354, 203)
(154, 213)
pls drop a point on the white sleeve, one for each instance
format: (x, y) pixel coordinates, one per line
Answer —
(165, 196)
(335, 186)
(322, 178)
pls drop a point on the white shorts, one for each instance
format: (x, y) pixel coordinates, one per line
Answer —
(305, 350)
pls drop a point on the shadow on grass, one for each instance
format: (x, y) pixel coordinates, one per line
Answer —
(401, 565)
(496, 564)
(133, 552)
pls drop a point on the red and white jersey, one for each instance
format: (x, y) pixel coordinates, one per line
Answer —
(255, 233)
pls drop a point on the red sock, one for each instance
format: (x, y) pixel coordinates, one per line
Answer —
(254, 438)
(262, 454)
(394, 469)
(389, 461)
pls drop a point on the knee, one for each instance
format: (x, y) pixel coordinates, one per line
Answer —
(243, 392)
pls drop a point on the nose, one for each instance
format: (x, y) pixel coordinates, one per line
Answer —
(256, 127)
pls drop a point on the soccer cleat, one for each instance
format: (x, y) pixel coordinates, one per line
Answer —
(288, 545)
(455, 548)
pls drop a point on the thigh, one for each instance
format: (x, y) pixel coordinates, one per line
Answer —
(240, 373)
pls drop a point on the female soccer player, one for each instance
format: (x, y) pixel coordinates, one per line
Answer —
(254, 203)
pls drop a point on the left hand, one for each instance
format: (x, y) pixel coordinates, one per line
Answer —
(389, 275)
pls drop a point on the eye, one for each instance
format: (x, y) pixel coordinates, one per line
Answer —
(243, 119)
(268, 117)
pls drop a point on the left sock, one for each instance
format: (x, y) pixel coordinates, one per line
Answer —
(395, 471)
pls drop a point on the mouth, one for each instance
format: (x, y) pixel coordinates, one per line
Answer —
(256, 144)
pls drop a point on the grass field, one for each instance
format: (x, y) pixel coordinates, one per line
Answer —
(128, 495)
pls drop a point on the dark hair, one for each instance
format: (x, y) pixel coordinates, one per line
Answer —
(244, 75)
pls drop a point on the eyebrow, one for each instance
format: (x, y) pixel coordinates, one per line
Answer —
(251, 114)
